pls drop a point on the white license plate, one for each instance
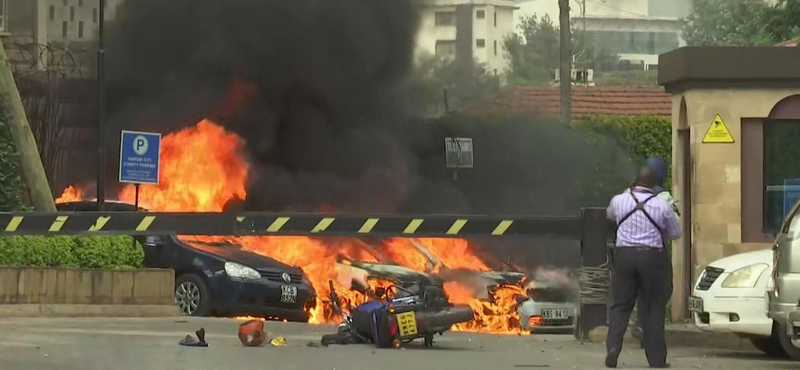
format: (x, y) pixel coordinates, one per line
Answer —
(288, 294)
(695, 304)
(555, 314)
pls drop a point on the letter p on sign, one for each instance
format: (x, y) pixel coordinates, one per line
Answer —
(140, 145)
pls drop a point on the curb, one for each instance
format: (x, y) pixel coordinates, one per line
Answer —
(87, 310)
(678, 336)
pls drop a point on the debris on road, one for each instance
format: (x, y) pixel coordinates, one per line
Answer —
(278, 342)
(313, 344)
(200, 341)
(251, 333)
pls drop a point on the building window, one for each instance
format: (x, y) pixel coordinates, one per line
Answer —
(80, 2)
(781, 171)
(628, 42)
(64, 29)
(72, 13)
(445, 48)
(3, 10)
(495, 17)
(80, 29)
(481, 43)
(94, 15)
(445, 18)
(481, 14)
(52, 12)
(65, 3)
(495, 47)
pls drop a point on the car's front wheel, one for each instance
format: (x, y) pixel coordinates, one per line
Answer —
(192, 296)
(786, 342)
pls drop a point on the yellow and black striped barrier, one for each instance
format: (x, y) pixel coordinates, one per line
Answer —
(152, 223)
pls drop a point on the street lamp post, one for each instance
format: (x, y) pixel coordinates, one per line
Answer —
(101, 108)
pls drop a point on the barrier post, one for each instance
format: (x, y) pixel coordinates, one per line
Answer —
(594, 273)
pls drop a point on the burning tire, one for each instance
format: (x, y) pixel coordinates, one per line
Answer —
(192, 296)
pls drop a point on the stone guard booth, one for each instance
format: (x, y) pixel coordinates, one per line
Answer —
(731, 188)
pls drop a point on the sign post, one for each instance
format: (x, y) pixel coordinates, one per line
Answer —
(139, 159)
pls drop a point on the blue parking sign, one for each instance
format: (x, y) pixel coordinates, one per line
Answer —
(139, 156)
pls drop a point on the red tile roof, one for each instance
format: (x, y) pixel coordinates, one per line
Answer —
(545, 101)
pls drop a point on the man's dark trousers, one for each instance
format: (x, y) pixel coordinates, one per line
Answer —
(646, 272)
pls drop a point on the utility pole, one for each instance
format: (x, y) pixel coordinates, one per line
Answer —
(101, 109)
(13, 114)
(565, 67)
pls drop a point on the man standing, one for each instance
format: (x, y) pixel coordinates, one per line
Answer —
(659, 168)
(642, 266)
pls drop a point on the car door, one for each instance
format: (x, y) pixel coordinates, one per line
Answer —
(156, 251)
(786, 252)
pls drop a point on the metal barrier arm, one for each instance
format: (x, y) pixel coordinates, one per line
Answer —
(155, 223)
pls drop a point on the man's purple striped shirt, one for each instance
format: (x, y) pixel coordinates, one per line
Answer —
(637, 230)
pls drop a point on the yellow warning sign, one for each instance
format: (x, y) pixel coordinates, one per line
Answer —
(718, 132)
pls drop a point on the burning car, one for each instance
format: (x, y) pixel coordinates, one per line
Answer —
(546, 307)
(218, 277)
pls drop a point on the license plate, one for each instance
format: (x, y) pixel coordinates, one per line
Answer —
(555, 314)
(288, 294)
(407, 323)
(695, 304)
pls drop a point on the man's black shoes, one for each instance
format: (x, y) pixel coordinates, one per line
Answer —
(611, 359)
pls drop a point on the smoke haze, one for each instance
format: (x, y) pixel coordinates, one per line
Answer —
(316, 88)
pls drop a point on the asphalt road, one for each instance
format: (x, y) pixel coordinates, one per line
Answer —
(152, 344)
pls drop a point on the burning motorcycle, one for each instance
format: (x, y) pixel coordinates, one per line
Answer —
(396, 315)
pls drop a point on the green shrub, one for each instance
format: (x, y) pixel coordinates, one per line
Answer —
(108, 252)
(114, 252)
(641, 136)
(37, 251)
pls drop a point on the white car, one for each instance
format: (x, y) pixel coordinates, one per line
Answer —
(547, 309)
(730, 296)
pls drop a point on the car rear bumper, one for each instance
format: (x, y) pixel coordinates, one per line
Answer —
(260, 298)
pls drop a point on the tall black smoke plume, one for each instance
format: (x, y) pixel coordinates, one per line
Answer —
(316, 88)
(312, 86)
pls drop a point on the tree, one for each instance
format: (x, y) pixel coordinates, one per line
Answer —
(741, 22)
(783, 20)
(464, 82)
(534, 55)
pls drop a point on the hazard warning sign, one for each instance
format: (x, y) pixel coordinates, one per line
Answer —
(718, 132)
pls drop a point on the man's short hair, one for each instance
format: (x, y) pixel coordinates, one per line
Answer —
(646, 178)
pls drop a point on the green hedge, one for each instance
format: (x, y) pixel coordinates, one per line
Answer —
(641, 136)
(108, 252)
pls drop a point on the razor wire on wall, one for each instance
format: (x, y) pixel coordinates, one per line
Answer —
(35, 58)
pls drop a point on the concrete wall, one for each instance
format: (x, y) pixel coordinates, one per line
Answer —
(22, 285)
(716, 184)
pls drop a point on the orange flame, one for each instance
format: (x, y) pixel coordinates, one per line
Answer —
(70, 194)
(202, 169)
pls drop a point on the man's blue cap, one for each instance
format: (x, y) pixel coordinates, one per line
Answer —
(658, 167)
